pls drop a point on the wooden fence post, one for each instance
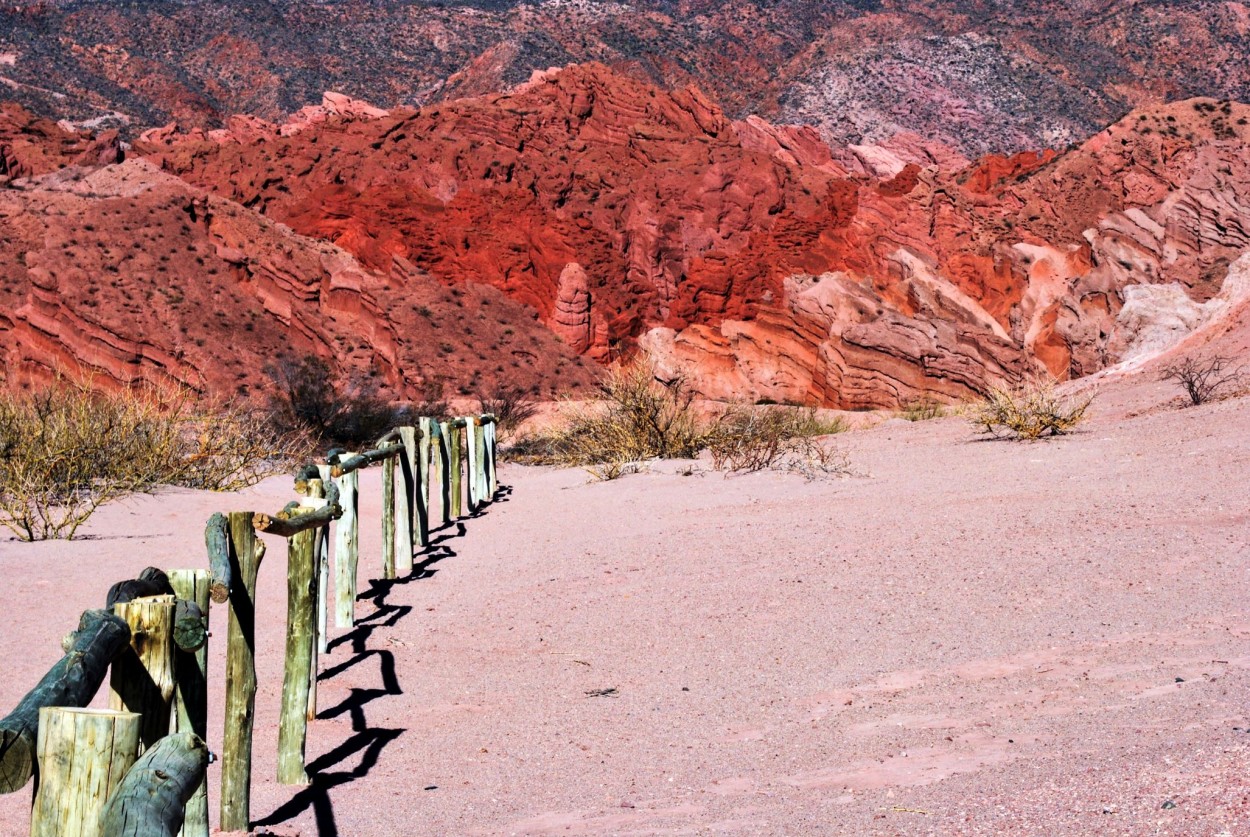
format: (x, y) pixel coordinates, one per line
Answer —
(83, 755)
(72, 681)
(479, 445)
(470, 449)
(301, 649)
(388, 518)
(320, 563)
(151, 799)
(322, 555)
(404, 499)
(246, 553)
(457, 465)
(423, 483)
(347, 549)
(442, 455)
(191, 691)
(142, 679)
(492, 483)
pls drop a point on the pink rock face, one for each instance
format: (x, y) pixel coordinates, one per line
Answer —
(571, 319)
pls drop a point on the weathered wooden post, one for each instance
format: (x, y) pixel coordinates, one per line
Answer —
(457, 466)
(492, 480)
(217, 541)
(299, 523)
(320, 561)
(142, 680)
(346, 549)
(246, 553)
(388, 518)
(404, 499)
(152, 798)
(471, 469)
(301, 649)
(423, 483)
(71, 682)
(83, 755)
(442, 456)
(483, 496)
(191, 689)
(322, 555)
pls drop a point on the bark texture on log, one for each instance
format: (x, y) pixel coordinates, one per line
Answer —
(191, 688)
(347, 549)
(71, 682)
(405, 496)
(246, 553)
(83, 756)
(142, 679)
(457, 466)
(295, 519)
(152, 798)
(217, 539)
(301, 617)
(388, 519)
(151, 582)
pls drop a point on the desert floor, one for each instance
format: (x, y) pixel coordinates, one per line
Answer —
(965, 637)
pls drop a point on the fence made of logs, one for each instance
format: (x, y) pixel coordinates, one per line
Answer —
(139, 767)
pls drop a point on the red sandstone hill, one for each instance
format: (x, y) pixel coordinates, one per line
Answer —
(132, 274)
(754, 256)
(1003, 76)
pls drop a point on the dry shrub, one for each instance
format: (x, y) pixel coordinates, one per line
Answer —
(747, 440)
(923, 408)
(510, 405)
(66, 449)
(310, 398)
(643, 417)
(1203, 379)
(639, 417)
(1028, 412)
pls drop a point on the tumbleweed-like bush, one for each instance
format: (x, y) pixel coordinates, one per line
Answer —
(1030, 411)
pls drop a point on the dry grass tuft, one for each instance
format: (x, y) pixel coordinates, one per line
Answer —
(1028, 412)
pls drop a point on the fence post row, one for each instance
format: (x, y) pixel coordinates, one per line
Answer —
(139, 767)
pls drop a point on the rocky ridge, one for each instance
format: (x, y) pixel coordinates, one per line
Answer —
(755, 257)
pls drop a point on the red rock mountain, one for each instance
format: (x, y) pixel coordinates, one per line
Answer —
(1004, 76)
(754, 256)
(131, 274)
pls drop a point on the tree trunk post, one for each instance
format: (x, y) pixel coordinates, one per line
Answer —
(470, 449)
(388, 518)
(443, 457)
(301, 650)
(423, 483)
(479, 444)
(317, 607)
(457, 465)
(83, 755)
(191, 691)
(322, 554)
(246, 553)
(71, 682)
(152, 799)
(492, 458)
(142, 679)
(217, 540)
(404, 499)
(346, 550)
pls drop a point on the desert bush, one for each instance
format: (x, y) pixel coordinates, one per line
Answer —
(1203, 379)
(638, 417)
(746, 440)
(510, 405)
(310, 399)
(1030, 411)
(923, 408)
(642, 417)
(66, 449)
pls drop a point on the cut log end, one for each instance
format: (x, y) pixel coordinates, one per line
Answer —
(17, 759)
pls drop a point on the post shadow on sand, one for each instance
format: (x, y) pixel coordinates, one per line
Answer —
(368, 741)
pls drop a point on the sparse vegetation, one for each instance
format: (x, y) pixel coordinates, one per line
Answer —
(1030, 411)
(310, 399)
(66, 449)
(1203, 379)
(923, 408)
(510, 405)
(641, 416)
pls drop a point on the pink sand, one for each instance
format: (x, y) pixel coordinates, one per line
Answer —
(967, 638)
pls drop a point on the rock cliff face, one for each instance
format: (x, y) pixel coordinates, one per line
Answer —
(755, 256)
(132, 275)
(981, 77)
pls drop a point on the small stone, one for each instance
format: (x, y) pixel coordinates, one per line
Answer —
(1169, 805)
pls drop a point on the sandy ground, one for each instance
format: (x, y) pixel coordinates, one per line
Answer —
(968, 637)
